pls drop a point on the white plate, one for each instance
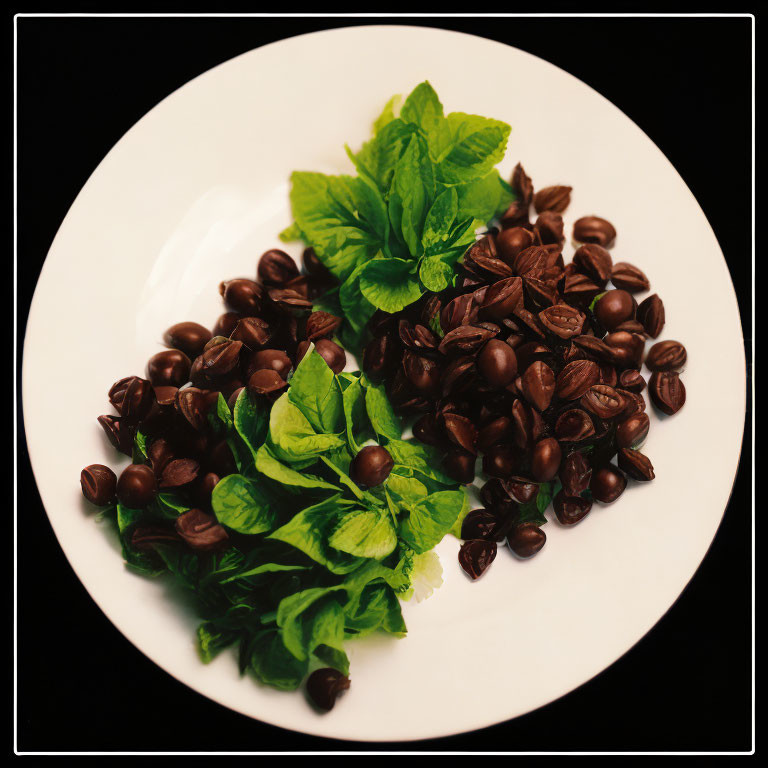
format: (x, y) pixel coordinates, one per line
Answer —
(197, 189)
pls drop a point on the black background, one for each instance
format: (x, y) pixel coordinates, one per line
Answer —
(685, 686)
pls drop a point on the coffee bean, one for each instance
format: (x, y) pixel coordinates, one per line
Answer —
(266, 381)
(497, 362)
(460, 431)
(608, 483)
(242, 295)
(98, 484)
(629, 277)
(188, 337)
(460, 465)
(666, 356)
(510, 242)
(332, 353)
(201, 531)
(324, 686)
(168, 368)
(593, 229)
(501, 461)
(613, 308)
(556, 198)
(570, 510)
(650, 313)
(476, 555)
(371, 466)
(480, 524)
(538, 384)
(576, 378)
(562, 320)
(526, 539)
(277, 268)
(545, 460)
(137, 486)
(667, 391)
(274, 359)
(635, 464)
(631, 432)
(575, 474)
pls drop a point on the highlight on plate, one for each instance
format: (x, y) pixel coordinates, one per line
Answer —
(283, 492)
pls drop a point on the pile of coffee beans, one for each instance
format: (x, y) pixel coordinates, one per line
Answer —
(266, 330)
(536, 366)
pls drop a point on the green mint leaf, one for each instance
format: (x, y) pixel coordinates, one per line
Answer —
(355, 309)
(435, 274)
(264, 568)
(390, 284)
(383, 419)
(357, 421)
(365, 533)
(168, 506)
(308, 532)
(440, 219)
(379, 156)
(422, 107)
(272, 663)
(291, 618)
(430, 519)
(316, 392)
(139, 448)
(250, 420)
(414, 187)
(240, 505)
(375, 607)
(292, 438)
(483, 198)
(419, 457)
(220, 419)
(407, 490)
(268, 465)
(387, 114)
(211, 640)
(291, 234)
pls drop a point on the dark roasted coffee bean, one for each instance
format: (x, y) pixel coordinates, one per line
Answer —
(496, 432)
(502, 461)
(637, 465)
(576, 378)
(418, 337)
(522, 185)
(521, 489)
(242, 295)
(631, 380)
(232, 399)
(459, 311)
(502, 298)
(220, 359)
(627, 348)
(137, 486)
(202, 488)
(603, 401)
(179, 472)
(381, 357)
(497, 362)
(613, 308)
(667, 391)
(631, 326)
(562, 320)
(629, 277)
(201, 531)
(608, 483)
(549, 227)
(595, 262)
(266, 381)
(538, 384)
(541, 294)
(457, 376)
(275, 359)
(510, 242)
(321, 325)
(132, 398)
(666, 356)
(481, 259)
(579, 289)
(276, 268)
(476, 555)
(650, 313)
(253, 332)
(634, 402)
(145, 537)
(160, 452)
(288, 301)
(219, 459)
(460, 431)
(526, 539)
(188, 337)
(164, 396)
(119, 432)
(191, 404)
(608, 375)
(422, 373)
(574, 425)
(530, 352)
(225, 324)
(593, 229)
(575, 474)
(531, 262)
(332, 353)
(460, 465)
(371, 466)
(556, 198)
(480, 524)
(168, 368)
(324, 686)
(464, 340)
(632, 431)
(570, 510)
(427, 430)
(98, 484)
(545, 460)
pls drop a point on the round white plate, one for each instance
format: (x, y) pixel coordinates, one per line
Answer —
(197, 190)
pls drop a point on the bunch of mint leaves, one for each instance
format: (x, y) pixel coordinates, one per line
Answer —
(316, 560)
(426, 182)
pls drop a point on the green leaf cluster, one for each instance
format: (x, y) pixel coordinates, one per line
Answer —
(426, 181)
(315, 559)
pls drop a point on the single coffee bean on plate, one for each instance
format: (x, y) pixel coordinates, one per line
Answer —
(575, 474)
(526, 539)
(476, 555)
(608, 483)
(545, 460)
(629, 278)
(324, 686)
(666, 356)
(593, 229)
(556, 198)
(650, 312)
(570, 510)
(632, 431)
(99, 484)
(635, 464)
(667, 391)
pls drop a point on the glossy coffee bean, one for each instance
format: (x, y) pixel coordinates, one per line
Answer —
(480, 524)
(275, 359)
(276, 267)
(188, 337)
(608, 483)
(545, 460)
(497, 363)
(225, 324)
(526, 539)
(614, 307)
(98, 484)
(631, 432)
(242, 295)
(371, 466)
(460, 465)
(324, 687)
(330, 351)
(570, 510)
(476, 555)
(666, 356)
(501, 461)
(169, 368)
(137, 486)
